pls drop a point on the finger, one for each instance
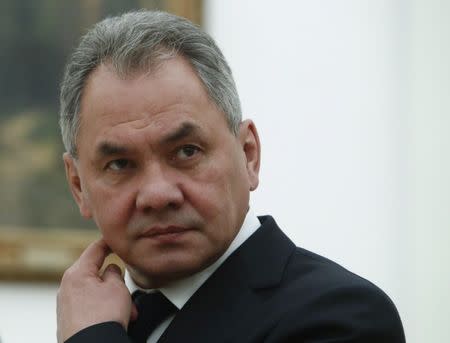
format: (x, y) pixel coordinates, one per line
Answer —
(94, 255)
(111, 272)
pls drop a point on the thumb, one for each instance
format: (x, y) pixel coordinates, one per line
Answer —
(112, 272)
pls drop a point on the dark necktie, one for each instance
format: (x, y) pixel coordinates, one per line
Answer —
(152, 308)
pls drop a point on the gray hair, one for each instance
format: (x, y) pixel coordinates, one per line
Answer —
(134, 42)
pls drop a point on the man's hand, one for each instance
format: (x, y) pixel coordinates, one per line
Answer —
(85, 298)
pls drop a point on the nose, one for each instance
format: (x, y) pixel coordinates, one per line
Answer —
(158, 190)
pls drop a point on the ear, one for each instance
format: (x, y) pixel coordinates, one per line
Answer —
(248, 136)
(73, 178)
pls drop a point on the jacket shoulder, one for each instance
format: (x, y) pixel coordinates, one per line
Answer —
(326, 301)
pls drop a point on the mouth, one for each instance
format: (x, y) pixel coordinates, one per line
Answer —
(165, 234)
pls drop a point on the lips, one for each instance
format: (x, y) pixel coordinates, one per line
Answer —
(158, 231)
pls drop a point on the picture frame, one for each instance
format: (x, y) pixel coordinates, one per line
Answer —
(43, 254)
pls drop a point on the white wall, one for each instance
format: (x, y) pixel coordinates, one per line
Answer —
(27, 313)
(429, 165)
(351, 99)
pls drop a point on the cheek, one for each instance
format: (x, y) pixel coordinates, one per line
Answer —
(111, 210)
(208, 191)
(218, 191)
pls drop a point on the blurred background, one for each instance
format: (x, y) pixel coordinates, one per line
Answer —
(352, 102)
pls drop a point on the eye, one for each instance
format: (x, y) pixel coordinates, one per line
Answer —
(118, 165)
(187, 151)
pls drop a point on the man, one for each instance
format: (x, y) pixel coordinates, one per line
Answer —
(159, 157)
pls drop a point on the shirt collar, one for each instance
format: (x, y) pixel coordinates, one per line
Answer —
(180, 291)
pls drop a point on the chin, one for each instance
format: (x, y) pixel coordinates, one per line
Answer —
(156, 273)
(155, 278)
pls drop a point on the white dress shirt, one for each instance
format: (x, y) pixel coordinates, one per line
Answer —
(180, 291)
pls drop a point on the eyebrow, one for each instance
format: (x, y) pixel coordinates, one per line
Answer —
(108, 149)
(186, 129)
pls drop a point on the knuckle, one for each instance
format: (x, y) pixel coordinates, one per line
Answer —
(67, 275)
(70, 275)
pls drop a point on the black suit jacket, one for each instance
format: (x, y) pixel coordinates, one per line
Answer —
(268, 290)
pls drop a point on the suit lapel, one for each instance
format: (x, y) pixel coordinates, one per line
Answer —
(220, 306)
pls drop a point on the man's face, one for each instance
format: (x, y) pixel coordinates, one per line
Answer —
(159, 170)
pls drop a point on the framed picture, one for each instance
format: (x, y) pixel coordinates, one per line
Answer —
(41, 231)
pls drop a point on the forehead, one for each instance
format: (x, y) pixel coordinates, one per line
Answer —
(168, 95)
(172, 82)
